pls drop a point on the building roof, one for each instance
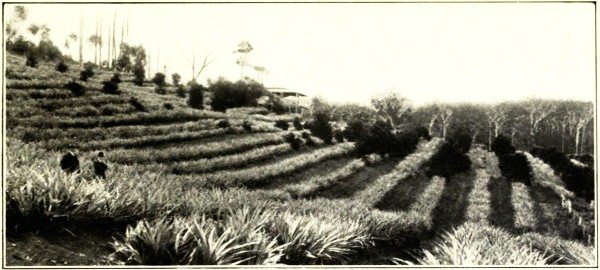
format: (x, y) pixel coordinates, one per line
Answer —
(284, 92)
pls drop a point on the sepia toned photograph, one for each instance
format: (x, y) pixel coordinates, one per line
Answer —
(280, 134)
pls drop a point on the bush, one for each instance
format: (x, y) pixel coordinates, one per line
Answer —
(502, 146)
(297, 123)
(176, 79)
(32, 60)
(159, 79)
(75, 88)
(377, 139)
(516, 168)
(47, 51)
(116, 78)
(233, 95)
(447, 162)
(180, 91)
(338, 135)
(20, 46)
(461, 142)
(321, 128)
(138, 72)
(354, 131)
(87, 72)
(110, 87)
(196, 96)
(223, 124)
(62, 67)
(294, 141)
(137, 105)
(277, 106)
(307, 138)
(160, 90)
(282, 124)
(168, 106)
(247, 125)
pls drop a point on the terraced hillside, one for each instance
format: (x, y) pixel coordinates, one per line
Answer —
(181, 190)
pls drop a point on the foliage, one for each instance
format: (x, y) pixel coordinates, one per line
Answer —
(354, 131)
(87, 72)
(282, 124)
(293, 140)
(180, 91)
(110, 87)
(168, 106)
(20, 46)
(338, 135)
(196, 96)
(116, 78)
(297, 124)
(223, 124)
(62, 67)
(176, 78)
(227, 94)
(75, 88)
(32, 60)
(321, 128)
(502, 146)
(578, 179)
(137, 105)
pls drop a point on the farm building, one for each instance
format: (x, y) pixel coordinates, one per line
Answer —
(295, 101)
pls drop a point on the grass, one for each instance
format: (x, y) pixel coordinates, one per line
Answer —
(320, 182)
(189, 152)
(479, 210)
(525, 209)
(543, 175)
(205, 165)
(260, 174)
(408, 166)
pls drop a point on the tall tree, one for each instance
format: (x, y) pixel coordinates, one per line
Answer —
(496, 117)
(244, 48)
(81, 41)
(391, 106)
(538, 110)
(206, 61)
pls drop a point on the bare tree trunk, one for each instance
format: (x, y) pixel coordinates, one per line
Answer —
(562, 139)
(96, 42)
(108, 62)
(101, 41)
(81, 41)
(114, 42)
(583, 132)
(490, 136)
(577, 142)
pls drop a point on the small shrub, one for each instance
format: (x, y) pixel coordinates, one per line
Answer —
(75, 88)
(282, 124)
(138, 72)
(176, 79)
(321, 128)
(294, 141)
(307, 138)
(516, 168)
(62, 67)
(137, 105)
(32, 60)
(447, 162)
(110, 87)
(87, 72)
(196, 96)
(354, 131)
(461, 142)
(502, 146)
(223, 124)
(108, 110)
(116, 78)
(277, 106)
(159, 79)
(339, 136)
(168, 106)
(180, 90)
(247, 125)
(297, 123)
(160, 90)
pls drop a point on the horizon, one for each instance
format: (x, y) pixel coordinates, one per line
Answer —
(429, 53)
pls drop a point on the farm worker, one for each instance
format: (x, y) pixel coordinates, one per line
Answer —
(99, 166)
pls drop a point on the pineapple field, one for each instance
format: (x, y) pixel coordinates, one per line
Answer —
(190, 186)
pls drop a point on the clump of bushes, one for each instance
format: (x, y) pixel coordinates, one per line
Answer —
(116, 78)
(276, 106)
(297, 124)
(247, 125)
(138, 72)
(580, 180)
(159, 80)
(180, 91)
(321, 128)
(168, 106)
(75, 88)
(32, 60)
(137, 105)
(196, 96)
(293, 140)
(176, 79)
(62, 67)
(223, 124)
(514, 166)
(307, 138)
(227, 94)
(282, 124)
(110, 87)
(87, 72)
(354, 131)
(451, 158)
(338, 135)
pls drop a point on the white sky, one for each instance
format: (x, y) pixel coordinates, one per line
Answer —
(480, 52)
